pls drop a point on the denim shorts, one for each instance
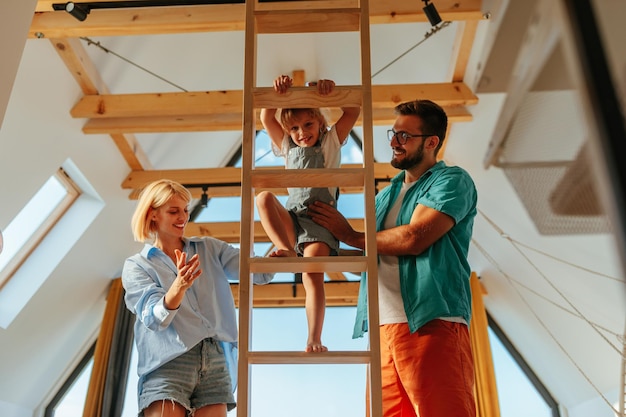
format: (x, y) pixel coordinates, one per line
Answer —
(308, 231)
(195, 379)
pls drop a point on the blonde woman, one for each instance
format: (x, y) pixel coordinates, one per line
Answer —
(185, 328)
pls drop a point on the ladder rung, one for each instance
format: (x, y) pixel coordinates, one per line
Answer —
(288, 357)
(314, 264)
(320, 177)
(308, 21)
(306, 5)
(306, 97)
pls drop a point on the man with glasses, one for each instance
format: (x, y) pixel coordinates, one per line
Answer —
(424, 223)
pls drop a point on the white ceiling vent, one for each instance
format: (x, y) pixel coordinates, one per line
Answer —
(545, 159)
(541, 140)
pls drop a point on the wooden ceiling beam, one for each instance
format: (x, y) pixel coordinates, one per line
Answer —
(64, 30)
(226, 122)
(48, 23)
(221, 110)
(218, 191)
(204, 103)
(88, 77)
(163, 104)
(466, 34)
(230, 231)
(226, 176)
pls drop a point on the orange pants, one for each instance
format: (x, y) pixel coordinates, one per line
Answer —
(429, 373)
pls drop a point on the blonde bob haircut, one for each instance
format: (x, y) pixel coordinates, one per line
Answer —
(154, 196)
(288, 115)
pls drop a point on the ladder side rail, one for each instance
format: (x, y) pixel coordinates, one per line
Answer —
(247, 223)
(374, 375)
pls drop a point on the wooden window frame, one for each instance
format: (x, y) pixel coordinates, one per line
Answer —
(73, 192)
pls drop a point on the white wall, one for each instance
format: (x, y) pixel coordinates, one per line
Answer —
(14, 24)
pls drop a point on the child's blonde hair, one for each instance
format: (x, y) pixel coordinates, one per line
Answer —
(287, 116)
(154, 196)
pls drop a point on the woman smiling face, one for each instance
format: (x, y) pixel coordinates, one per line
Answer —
(171, 218)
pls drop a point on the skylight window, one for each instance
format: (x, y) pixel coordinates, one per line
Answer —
(34, 222)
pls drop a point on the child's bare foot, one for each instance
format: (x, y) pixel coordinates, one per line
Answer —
(283, 253)
(315, 348)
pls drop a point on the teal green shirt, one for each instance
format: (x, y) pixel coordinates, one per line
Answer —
(434, 283)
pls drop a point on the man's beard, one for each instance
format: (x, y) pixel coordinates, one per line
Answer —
(410, 161)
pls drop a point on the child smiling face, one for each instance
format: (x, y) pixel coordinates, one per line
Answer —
(304, 125)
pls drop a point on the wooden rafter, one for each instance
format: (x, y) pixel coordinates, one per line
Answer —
(220, 17)
(128, 114)
(225, 177)
(88, 78)
(221, 110)
(229, 231)
(226, 102)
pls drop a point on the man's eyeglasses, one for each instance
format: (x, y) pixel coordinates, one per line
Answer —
(402, 137)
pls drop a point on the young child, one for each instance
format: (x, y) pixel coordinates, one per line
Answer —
(305, 140)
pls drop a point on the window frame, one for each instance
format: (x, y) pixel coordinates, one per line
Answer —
(541, 389)
(69, 382)
(72, 194)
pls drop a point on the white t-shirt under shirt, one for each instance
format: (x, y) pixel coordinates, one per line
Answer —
(391, 307)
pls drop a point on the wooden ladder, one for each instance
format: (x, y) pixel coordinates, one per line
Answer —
(287, 17)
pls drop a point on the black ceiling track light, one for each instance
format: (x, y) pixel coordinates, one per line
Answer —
(431, 13)
(80, 10)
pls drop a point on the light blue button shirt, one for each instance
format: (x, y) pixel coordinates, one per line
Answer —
(207, 309)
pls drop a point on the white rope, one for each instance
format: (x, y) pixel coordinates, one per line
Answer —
(427, 35)
(619, 338)
(108, 51)
(622, 353)
(547, 255)
(622, 392)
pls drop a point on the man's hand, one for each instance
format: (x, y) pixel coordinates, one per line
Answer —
(329, 217)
